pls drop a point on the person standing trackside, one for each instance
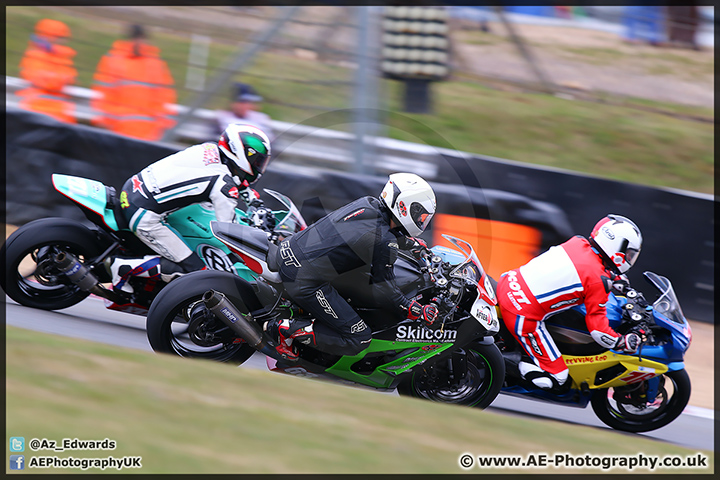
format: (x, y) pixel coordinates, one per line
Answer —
(135, 87)
(48, 66)
(243, 109)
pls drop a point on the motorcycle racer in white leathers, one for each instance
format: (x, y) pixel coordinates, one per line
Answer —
(218, 173)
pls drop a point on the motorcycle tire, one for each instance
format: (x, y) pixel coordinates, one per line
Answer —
(621, 419)
(165, 317)
(45, 288)
(477, 390)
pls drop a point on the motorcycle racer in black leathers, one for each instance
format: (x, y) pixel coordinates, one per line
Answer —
(364, 234)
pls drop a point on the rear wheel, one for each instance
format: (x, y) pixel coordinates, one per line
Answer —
(174, 326)
(484, 376)
(31, 277)
(624, 408)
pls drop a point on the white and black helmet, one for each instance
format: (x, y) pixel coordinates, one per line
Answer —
(619, 241)
(411, 201)
(245, 150)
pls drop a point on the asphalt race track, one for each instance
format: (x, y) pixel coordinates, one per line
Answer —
(92, 321)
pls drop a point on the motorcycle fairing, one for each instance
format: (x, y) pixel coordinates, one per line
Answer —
(89, 194)
(403, 356)
(620, 369)
(249, 243)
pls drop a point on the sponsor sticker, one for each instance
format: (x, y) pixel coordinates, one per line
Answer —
(214, 258)
(534, 344)
(137, 184)
(402, 209)
(564, 302)
(358, 327)
(518, 295)
(77, 186)
(328, 308)
(417, 333)
(608, 233)
(287, 254)
(354, 214)
(589, 359)
(210, 154)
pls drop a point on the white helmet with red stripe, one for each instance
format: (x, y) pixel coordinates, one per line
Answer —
(411, 201)
(619, 241)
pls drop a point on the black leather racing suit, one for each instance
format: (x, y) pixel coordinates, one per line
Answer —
(356, 236)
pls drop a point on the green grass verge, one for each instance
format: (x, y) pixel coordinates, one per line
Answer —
(609, 141)
(185, 416)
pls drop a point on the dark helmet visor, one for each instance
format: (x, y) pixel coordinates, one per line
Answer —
(420, 216)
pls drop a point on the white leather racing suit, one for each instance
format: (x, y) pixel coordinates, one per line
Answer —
(193, 175)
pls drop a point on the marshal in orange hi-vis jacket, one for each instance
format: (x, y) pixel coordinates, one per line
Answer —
(136, 89)
(48, 66)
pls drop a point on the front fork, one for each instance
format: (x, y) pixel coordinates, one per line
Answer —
(456, 368)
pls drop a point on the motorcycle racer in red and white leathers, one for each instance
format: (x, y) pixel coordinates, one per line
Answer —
(217, 173)
(578, 271)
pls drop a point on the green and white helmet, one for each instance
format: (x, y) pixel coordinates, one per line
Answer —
(245, 150)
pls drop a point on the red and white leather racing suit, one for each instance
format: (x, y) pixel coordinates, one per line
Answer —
(566, 275)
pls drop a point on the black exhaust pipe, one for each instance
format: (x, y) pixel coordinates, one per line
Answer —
(249, 331)
(81, 276)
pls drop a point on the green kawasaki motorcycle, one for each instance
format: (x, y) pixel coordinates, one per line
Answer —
(457, 363)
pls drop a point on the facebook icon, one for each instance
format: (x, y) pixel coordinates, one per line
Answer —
(17, 462)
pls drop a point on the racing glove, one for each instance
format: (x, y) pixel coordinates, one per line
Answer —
(620, 285)
(628, 343)
(256, 202)
(250, 196)
(427, 313)
(418, 246)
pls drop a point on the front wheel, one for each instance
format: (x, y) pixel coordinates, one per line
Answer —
(624, 408)
(172, 328)
(481, 384)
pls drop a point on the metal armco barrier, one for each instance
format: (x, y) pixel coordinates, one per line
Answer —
(677, 226)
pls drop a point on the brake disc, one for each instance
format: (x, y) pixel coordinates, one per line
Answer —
(202, 327)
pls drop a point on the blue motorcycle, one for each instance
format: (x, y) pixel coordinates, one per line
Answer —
(632, 392)
(54, 263)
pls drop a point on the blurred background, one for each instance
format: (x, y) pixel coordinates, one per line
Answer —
(486, 102)
(560, 114)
